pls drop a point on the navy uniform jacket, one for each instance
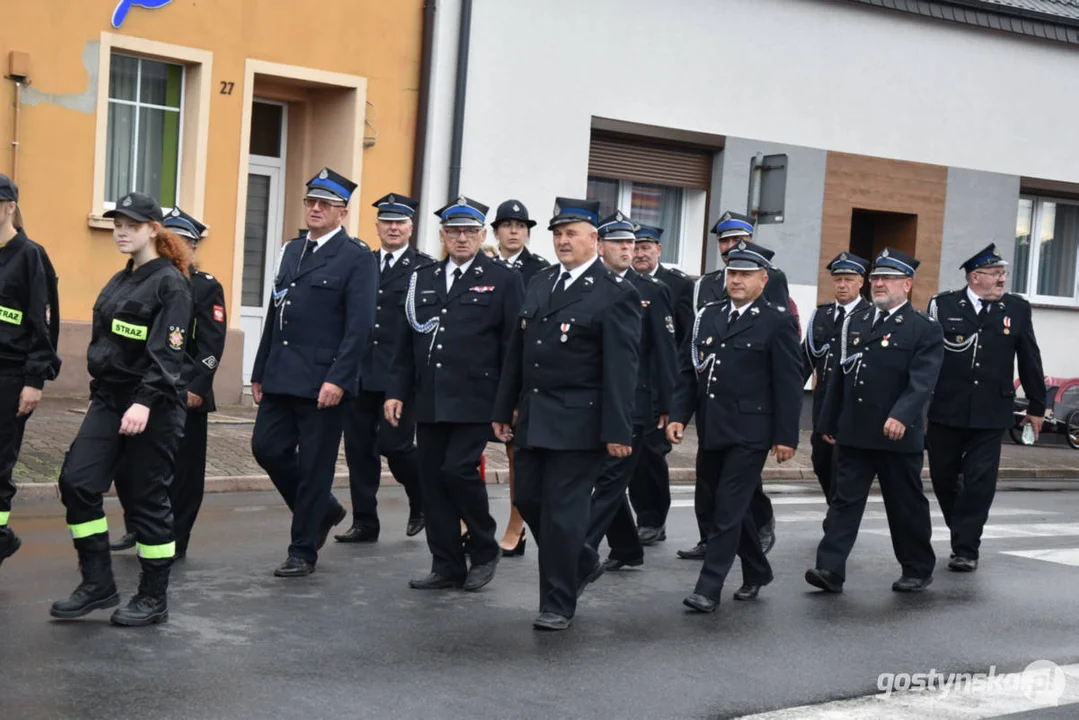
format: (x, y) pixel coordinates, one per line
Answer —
(205, 338)
(453, 369)
(976, 386)
(743, 383)
(681, 286)
(575, 394)
(820, 349)
(389, 318)
(713, 288)
(528, 263)
(139, 330)
(319, 320)
(27, 347)
(657, 365)
(885, 374)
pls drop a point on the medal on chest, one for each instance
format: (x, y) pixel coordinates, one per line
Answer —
(884, 342)
(1007, 325)
(564, 327)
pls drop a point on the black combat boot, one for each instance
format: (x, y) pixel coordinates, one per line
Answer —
(150, 604)
(96, 592)
(9, 543)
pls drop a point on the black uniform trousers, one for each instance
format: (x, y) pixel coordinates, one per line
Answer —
(704, 497)
(11, 432)
(189, 483)
(454, 491)
(94, 459)
(650, 486)
(610, 514)
(825, 461)
(296, 444)
(368, 436)
(905, 504)
(732, 475)
(554, 495)
(964, 463)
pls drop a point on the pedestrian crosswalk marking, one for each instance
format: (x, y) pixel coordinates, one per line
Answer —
(1063, 556)
(794, 516)
(1003, 532)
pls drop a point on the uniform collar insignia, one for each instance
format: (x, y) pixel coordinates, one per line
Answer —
(754, 311)
(898, 319)
(438, 271)
(478, 272)
(588, 280)
(405, 262)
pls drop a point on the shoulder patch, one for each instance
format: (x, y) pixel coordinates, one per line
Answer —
(541, 260)
(678, 273)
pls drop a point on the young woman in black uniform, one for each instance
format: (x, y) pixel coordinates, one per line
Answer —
(136, 416)
(27, 355)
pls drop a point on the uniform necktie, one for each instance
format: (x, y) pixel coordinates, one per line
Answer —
(733, 318)
(984, 312)
(840, 314)
(308, 250)
(386, 265)
(560, 287)
(881, 315)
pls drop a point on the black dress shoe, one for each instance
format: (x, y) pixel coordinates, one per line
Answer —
(697, 552)
(480, 575)
(332, 518)
(415, 525)
(613, 563)
(434, 581)
(552, 621)
(591, 577)
(358, 535)
(747, 592)
(907, 584)
(768, 536)
(962, 564)
(126, 542)
(700, 603)
(825, 580)
(652, 535)
(294, 567)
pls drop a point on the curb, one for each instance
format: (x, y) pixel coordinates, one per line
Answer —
(500, 476)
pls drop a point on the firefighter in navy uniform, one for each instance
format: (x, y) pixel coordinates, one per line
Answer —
(309, 360)
(27, 349)
(650, 487)
(656, 376)
(569, 382)
(986, 330)
(742, 378)
(730, 229)
(512, 227)
(368, 435)
(460, 314)
(889, 359)
(135, 417)
(820, 350)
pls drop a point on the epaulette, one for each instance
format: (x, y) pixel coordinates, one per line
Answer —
(651, 278)
(420, 255)
(541, 260)
(617, 280)
(925, 315)
(678, 273)
(825, 306)
(553, 273)
(206, 275)
(361, 243)
(713, 274)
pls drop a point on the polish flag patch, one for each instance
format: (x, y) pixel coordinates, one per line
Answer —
(219, 313)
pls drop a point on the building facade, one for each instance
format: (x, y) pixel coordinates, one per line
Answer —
(222, 108)
(933, 127)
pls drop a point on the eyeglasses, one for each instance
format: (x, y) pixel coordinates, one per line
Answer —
(469, 232)
(996, 274)
(318, 202)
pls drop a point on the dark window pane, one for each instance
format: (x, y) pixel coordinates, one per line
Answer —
(123, 77)
(160, 83)
(606, 191)
(256, 227)
(1059, 235)
(266, 129)
(660, 206)
(1021, 269)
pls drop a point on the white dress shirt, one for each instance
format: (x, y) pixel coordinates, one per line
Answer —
(574, 273)
(451, 266)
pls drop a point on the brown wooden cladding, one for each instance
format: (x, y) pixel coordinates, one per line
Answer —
(896, 186)
(618, 159)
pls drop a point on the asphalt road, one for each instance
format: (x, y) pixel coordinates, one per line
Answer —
(354, 641)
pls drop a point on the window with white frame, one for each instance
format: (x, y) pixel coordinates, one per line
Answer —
(144, 128)
(1046, 245)
(646, 203)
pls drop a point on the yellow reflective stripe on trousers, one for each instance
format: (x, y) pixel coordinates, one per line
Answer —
(123, 329)
(156, 552)
(86, 529)
(4, 518)
(10, 315)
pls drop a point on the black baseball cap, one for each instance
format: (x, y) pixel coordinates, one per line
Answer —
(9, 191)
(137, 206)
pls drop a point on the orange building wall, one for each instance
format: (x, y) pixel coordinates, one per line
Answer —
(371, 38)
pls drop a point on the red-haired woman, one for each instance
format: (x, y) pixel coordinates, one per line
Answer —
(136, 415)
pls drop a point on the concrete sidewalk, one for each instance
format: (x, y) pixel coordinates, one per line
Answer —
(230, 466)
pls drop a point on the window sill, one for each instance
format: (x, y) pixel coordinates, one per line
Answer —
(97, 222)
(1042, 303)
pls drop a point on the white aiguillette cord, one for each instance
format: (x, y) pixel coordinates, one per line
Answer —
(410, 314)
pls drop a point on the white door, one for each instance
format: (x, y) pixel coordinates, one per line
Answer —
(263, 223)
